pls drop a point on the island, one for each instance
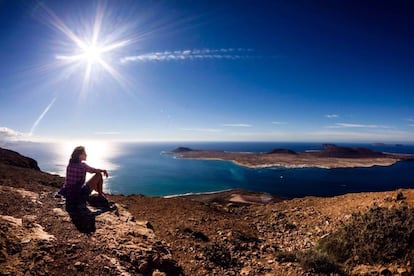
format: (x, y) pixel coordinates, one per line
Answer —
(331, 156)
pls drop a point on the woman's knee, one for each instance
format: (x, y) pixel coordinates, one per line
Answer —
(98, 176)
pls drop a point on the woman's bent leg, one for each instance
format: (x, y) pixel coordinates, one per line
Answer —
(96, 183)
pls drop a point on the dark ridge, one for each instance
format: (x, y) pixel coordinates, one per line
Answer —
(13, 158)
(181, 149)
(284, 151)
(331, 150)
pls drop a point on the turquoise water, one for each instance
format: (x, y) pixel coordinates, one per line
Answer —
(142, 168)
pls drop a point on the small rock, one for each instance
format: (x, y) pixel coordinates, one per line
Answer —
(403, 271)
(149, 225)
(3, 255)
(385, 271)
(130, 218)
(26, 241)
(79, 266)
(143, 266)
(387, 199)
(28, 221)
(245, 270)
(400, 196)
(158, 273)
(72, 248)
(59, 212)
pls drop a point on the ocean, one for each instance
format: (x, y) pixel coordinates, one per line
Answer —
(145, 168)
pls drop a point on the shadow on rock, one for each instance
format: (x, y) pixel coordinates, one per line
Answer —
(83, 218)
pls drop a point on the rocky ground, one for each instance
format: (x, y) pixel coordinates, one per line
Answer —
(232, 233)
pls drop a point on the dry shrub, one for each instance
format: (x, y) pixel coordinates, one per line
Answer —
(219, 254)
(380, 235)
(318, 262)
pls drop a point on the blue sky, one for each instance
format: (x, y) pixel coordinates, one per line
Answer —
(321, 71)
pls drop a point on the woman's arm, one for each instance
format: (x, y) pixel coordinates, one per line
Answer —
(105, 172)
(93, 170)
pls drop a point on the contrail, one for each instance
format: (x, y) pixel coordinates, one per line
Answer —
(196, 54)
(41, 116)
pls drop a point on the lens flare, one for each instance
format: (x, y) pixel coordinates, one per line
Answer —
(90, 45)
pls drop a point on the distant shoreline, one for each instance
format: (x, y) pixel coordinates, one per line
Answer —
(331, 157)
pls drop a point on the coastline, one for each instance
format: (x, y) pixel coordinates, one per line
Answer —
(330, 158)
(237, 196)
(336, 163)
(331, 163)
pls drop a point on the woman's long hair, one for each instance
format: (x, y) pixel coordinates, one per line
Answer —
(74, 158)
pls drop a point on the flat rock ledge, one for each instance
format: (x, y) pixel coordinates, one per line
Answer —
(42, 240)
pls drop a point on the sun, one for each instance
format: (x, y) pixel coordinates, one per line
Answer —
(92, 54)
(91, 47)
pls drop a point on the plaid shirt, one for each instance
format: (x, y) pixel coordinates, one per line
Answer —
(75, 178)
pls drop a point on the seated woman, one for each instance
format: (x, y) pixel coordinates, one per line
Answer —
(76, 190)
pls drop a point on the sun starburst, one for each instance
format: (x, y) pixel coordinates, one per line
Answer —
(89, 46)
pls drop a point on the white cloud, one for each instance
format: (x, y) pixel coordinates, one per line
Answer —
(279, 123)
(352, 125)
(202, 129)
(411, 125)
(347, 136)
(332, 116)
(9, 134)
(196, 54)
(236, 125)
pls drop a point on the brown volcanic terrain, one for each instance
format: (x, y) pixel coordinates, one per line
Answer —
(214, 234)
(330, 157)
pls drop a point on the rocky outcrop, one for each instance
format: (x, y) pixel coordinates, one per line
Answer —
(38, 236)
(13, 158)
(41, 239)
(281, 151)
(331, 150)
(181, 149)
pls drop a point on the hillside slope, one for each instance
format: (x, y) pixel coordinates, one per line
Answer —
(231, 233)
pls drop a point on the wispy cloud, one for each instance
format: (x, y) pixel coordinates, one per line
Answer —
(279, 123)
(411, 125)
(195, 54)
(236, 125)
(202, 129)
(352, 125)
(378, 135)
(332, 116)
(107, 133)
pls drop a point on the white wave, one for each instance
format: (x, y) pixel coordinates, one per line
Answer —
(200, 193)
